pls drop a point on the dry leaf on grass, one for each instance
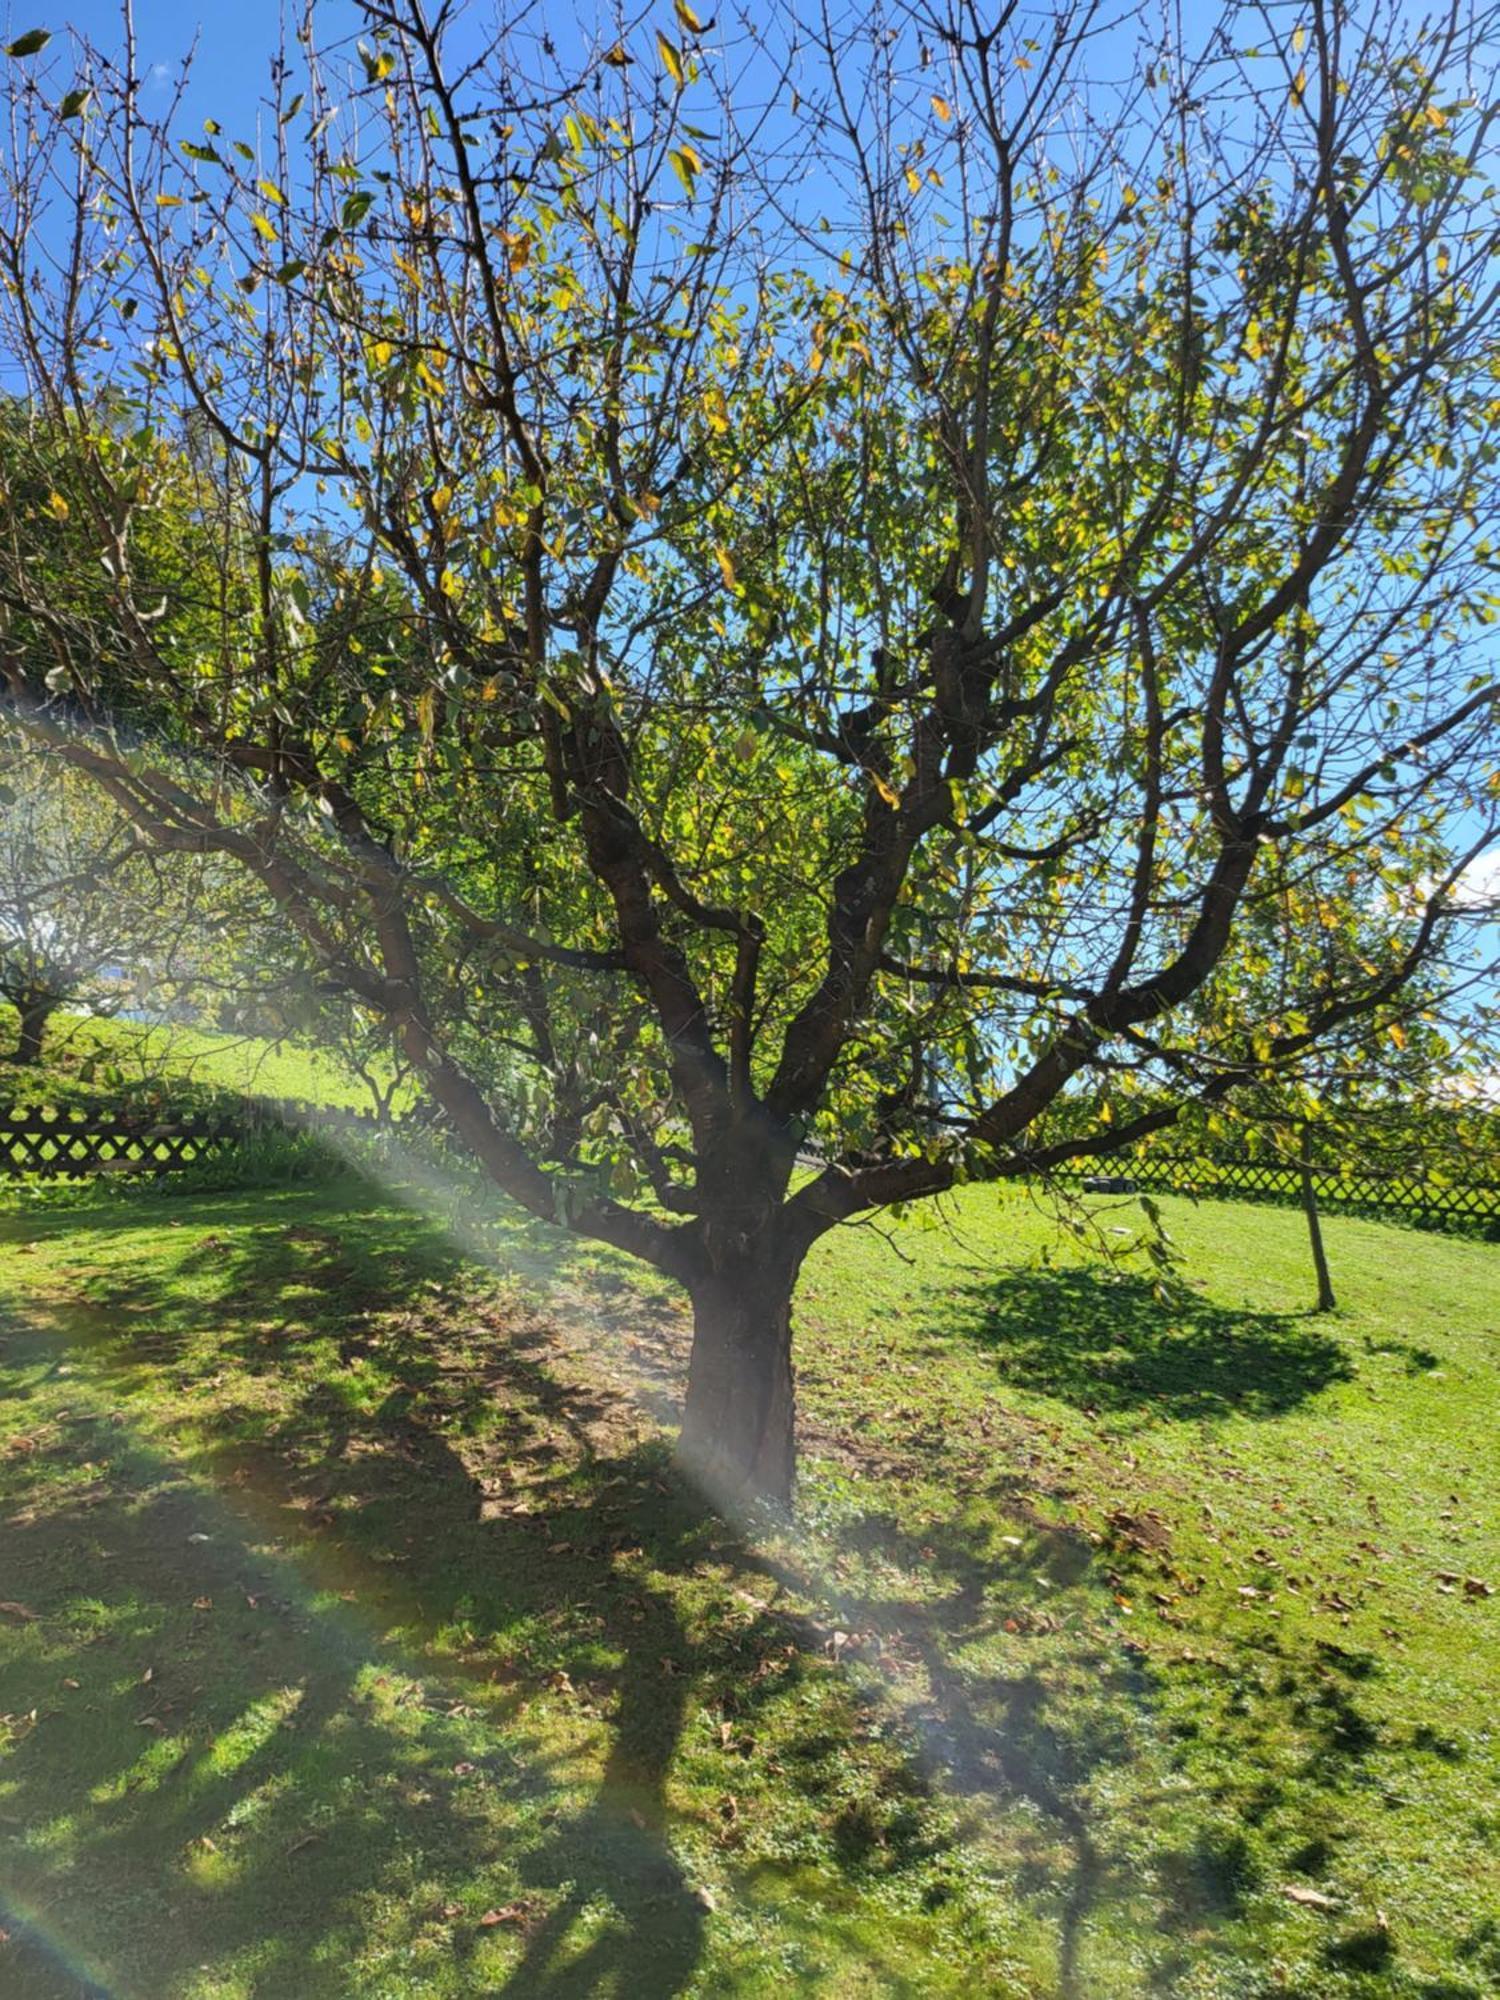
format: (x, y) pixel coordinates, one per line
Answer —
(1310, 1899)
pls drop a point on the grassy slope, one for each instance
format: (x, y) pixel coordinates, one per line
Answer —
(143, 1054)
(1109, 1621)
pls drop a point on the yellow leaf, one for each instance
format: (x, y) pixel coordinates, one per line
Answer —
(57, 507)
(671, 59)
(688, 18)
(1299, 40)
(943, 108)
(726, 567)
(263, 228)
(442, 500)
(892, 799)
(272, 193)
(715, 408)
(913, 181)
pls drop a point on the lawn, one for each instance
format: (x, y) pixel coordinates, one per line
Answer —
(90, 1058)
(355, 1640)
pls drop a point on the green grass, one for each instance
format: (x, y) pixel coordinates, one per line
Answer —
(1110, 1618)
(81, 1050)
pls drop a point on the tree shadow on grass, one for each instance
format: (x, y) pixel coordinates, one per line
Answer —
(355, 1622)
(1043, 1711)
(1108, 1341)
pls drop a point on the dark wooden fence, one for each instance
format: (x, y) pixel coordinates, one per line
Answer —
(1353, 1188)
(73, 1143)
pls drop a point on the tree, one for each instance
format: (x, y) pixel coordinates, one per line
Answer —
(1381, 1092)
(785, 588)
(86, 920)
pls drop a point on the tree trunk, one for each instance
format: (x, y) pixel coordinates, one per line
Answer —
(34, 1019)
(738, 1439)
(1326, 1300)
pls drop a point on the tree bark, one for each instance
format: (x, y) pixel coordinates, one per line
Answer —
(1326, 1299)
(738, 1438)
(34, 1019)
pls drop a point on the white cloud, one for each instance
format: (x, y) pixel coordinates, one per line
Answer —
(1478, 886)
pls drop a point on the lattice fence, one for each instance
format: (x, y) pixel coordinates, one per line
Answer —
(70, 1145)
(1337, 1187)
(74, 1143)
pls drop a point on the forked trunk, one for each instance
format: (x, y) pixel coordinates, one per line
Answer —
(738, 1439)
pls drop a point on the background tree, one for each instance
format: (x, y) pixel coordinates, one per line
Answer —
(88, 921)
(1383, 1093)
(795, 585)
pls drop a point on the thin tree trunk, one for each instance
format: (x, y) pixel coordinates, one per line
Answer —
(738, 1438)
(1326, 1300)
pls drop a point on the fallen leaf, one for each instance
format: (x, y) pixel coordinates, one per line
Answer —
(513, 1913)
(1476, 1587)
(14, 1610)
(1310, 1899)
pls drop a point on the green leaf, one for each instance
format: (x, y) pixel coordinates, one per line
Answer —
(74, 104)
(356, 207)
(31, 43)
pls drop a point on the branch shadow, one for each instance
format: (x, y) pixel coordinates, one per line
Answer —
(407, 1535)
(1045, 1745)
(1107, 1341)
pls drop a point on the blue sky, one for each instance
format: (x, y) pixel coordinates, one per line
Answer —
(234, 40)
(232, 43)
